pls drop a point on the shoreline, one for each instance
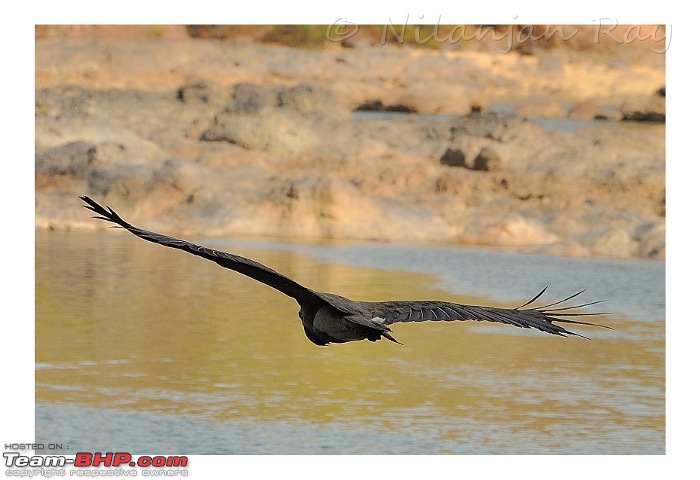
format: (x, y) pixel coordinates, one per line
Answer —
(230, 138)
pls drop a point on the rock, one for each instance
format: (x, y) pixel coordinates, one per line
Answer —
(490, 158)
(72, 158)
(646, 109)
(378, 106)
(252, 99)
(309, 99)
(479, 154)
(101, 118)
(109, 153)
(327, 207)
(276, 130)
(449, 183)
(259, 118)
(119, 182)
(204, 92)
(513, 230)
(660, 206)
(453, 158)
(613, 242)
(652, 241)
(498, 126)
(281, 153)
(449, 97)
(474, 138)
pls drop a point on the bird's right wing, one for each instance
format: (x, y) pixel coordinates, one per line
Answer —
(541, 318)
(243, 265)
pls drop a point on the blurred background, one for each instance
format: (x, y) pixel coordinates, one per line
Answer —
(474, 164)
(543, 138)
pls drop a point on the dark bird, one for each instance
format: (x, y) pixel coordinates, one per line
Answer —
(329, 318)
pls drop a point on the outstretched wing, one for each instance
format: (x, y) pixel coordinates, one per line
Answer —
(240, 264)
(542, 318)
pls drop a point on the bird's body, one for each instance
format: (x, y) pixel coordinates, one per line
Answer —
(330, 318)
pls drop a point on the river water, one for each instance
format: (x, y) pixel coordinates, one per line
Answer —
(183, 356)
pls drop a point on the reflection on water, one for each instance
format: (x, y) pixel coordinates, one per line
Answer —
(199, 359)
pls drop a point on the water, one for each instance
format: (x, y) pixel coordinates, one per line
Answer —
(183, 356)
(623, 285)
(561, 124)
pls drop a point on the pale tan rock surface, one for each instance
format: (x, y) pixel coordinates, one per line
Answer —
(238, 138)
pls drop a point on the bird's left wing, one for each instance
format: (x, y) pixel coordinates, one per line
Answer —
(541, 318)
(243, 265)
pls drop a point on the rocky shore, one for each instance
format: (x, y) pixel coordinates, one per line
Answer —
(558, 151)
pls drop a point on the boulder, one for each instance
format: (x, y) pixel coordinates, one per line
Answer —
(327, 207)
(308, 99)
(251, 99)
(72, 158)
(260, 118)
(378, 106)
(202, 92)
(453, 157)
(650, 108)
(498, 126)
(490, 157)
(512, 230)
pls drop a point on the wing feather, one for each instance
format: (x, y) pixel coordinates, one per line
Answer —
(381, 313)
(243, 265)
(540, 318)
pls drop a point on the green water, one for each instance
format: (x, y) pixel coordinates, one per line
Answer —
(198, 359)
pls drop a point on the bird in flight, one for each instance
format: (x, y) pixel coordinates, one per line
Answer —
(329, 318)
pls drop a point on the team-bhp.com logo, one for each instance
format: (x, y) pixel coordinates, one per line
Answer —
(110, 464)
